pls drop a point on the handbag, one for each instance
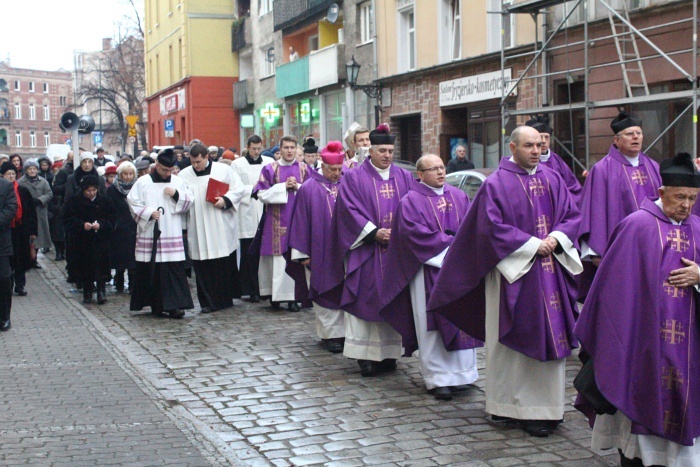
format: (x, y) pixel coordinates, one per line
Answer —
(585, 384)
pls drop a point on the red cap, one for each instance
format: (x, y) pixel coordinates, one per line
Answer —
(112, 169)
(333, 153)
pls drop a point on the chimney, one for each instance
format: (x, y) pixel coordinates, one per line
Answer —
(106, 44)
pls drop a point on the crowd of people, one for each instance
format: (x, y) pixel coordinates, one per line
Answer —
(393, 264)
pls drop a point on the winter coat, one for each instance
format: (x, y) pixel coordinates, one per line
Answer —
(123, 245)
(59, 182)
(42, 194)
(8, 210)
(73, 182)
(22, 233)
(89, 248)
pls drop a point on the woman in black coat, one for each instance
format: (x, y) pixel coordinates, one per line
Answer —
(24, 230)
(123, 251)
(89, 218)
(85, 167)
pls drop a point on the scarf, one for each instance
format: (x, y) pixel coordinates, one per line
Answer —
(124, 187)
(18, 217)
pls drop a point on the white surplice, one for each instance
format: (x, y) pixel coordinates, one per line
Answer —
(251, 209)
(518, 386)
(212, 233)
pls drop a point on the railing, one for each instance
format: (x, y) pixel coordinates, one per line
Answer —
(241, 35)
(242, 94)
(290, 12)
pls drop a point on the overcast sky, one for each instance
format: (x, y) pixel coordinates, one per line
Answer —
(42, 34)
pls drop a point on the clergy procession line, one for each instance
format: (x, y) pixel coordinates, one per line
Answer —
(392, 265)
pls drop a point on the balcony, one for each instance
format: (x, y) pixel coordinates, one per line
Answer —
(318, 69)
(5, 118)
(290, 12)
(243, 94)
(241, 34)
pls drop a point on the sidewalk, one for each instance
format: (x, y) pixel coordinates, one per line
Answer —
(68, 398)
(243, 386)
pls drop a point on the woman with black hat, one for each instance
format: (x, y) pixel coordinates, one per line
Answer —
(89, 218)
(24, 229)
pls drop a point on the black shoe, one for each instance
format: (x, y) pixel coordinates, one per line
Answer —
(59, 256)
(5, 325)
(460, 388)
(158, 313)
(367, 368)
(275, 305)
(442, 393)
(119, 282)
(254, 299)
(101, 297)
(293, 307)
(538, 428)
(87, 296)
(20, 291)
(206, 309)
(36, 266)
(387, 365)
(507, 421)
(175, 314)
(46, 250)
(333, 345)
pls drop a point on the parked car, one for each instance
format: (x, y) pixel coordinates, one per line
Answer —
(408, 165)
(469, 181)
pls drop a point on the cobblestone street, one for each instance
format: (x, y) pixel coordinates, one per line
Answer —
(244, 386)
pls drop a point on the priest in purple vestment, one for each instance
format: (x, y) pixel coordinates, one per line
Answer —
(277, 190)
(361, 230)
(553, 160)
(508, 279)
(639, 327)
(310, 243)
(615, 188)
(423, 229)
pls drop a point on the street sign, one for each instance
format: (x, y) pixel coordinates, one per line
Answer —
(97, 138)
(169, 126)
(132, 139)
(131, 120)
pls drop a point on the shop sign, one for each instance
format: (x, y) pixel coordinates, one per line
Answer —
(474, 88)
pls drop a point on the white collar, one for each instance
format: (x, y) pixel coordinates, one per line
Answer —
(545, 157)
(632, 160)
(439, 191)
(530, 172)
(661, 206)
(283, 162)
(384, 173)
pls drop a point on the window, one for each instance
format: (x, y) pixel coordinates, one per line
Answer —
(47, 113)
(17, 86)
(47, 139)
(62, 101)
(32, 139)
(265, 6)
(31, 86)
(333, 105)
(493, 39)
(364, 109)
(508, 27)
(32, 112)
(366, 23)
(18, 111)
(456, 33)
(407, 40)
(18, 139)
(46, 88)
(267, 61)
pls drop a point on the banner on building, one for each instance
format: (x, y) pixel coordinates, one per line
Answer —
(475, 88)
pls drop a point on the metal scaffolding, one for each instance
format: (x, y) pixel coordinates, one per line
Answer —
(625, 36)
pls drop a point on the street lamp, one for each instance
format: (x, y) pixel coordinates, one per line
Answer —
(374, 91)
(352, 69)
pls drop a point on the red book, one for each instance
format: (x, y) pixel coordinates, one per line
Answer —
(216, 189)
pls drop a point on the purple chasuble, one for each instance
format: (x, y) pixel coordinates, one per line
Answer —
(556, 163)
(613, 190)
(537, 311)
(363, 197)
(424, 225)
(310, 233)
(277, 216)
(641, 332)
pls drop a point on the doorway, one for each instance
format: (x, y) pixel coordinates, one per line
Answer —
(410, 133)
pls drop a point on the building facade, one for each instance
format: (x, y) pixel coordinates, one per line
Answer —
(31, 105)
(439, 64)
(190, 72)
(292, 61)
